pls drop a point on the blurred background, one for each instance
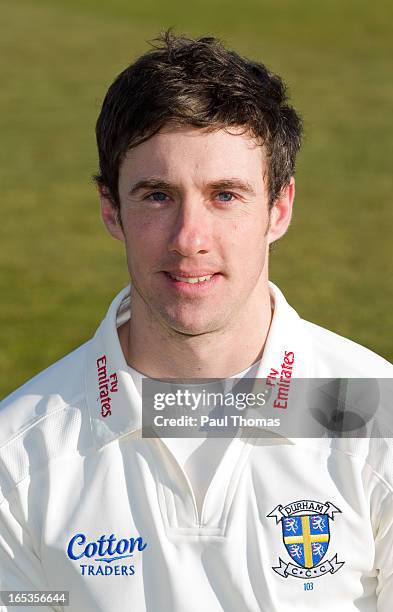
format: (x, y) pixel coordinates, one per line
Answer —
(59, 269)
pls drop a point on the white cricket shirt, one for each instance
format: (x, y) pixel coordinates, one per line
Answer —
(88, 505)
(199, 457)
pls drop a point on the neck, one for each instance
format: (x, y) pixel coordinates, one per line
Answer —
(158, 352)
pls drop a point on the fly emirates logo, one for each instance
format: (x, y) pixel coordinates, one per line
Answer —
(280, 380)
(106, 386)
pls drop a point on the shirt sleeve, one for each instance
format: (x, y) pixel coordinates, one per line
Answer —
(384, 556)
(20, 567)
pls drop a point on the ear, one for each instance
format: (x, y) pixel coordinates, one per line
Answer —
(110, 214)
(281, 212)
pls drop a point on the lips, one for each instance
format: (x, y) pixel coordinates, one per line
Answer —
(191, 273)
(191, 277)
(192, 282)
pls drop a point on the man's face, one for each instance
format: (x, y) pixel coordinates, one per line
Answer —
(194, 210)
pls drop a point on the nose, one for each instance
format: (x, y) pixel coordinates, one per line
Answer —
(191, 232)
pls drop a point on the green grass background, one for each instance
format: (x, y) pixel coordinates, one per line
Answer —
(59, 270)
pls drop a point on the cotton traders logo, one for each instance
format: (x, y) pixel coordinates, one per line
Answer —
(100, 557)
(106, 386)
(306, 535)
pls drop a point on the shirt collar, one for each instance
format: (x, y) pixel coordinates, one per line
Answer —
(114, 403)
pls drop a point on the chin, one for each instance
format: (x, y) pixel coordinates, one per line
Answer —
(191, 327)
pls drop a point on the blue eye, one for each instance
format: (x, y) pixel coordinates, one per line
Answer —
(226, 193)
(157, 196)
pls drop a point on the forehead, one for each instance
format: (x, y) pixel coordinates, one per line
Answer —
(174, 151)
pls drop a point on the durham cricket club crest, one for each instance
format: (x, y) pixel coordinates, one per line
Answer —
(306, 535)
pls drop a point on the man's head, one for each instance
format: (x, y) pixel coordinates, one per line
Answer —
(201, 84)
(197, 150)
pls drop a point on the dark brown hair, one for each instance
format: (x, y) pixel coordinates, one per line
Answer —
(202, 84)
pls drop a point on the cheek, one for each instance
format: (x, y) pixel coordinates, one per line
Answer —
(248, 236)
(144, 238)
(246, 250)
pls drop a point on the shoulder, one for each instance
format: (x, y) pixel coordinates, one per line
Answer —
(367, 399)
(335, 355)
(52, 389)
(45, 417)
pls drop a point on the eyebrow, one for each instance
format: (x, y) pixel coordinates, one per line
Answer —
(219, 184)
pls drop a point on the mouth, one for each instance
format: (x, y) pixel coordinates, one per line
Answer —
(192, 283)
(192, 280)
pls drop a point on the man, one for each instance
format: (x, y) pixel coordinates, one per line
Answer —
(197, 150)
